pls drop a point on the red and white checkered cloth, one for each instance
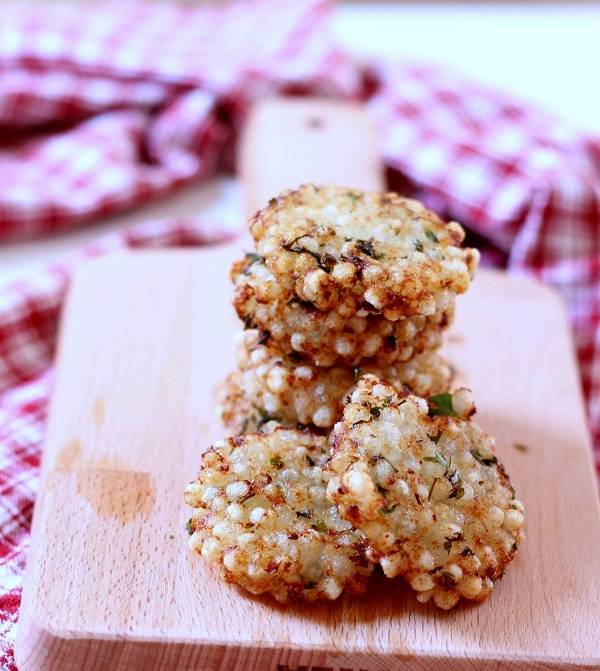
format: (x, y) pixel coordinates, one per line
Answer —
(105, 106)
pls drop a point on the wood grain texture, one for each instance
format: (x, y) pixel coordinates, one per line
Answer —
(146, 340)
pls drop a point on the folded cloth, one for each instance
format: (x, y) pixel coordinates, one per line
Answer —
(105, 105)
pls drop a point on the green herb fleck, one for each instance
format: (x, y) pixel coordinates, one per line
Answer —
(441, 405)
(388, 509)
(458, 536)
(486, 461)
(309, 460)
(448, 577)
(320, 526)
(276, 461)
(188, 527)
(431, 235)
(304, 513)
(357, 373)
(375, 411)
(438, 459)
(251, 259)
(418, 245)
(264, 417)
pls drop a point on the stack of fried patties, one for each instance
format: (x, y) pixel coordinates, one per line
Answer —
(342, 282)
(347, 452)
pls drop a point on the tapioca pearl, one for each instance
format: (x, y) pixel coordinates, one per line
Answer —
(383, 470)
(373, 298)
(297, 341)
(358, 324)
(344, 346)
(445, 599)
(256, 514)
(422, 582)
(209, 494)
(513, 520)
(426, 560)
(470, 587)
(220, 529)
(462, 402)
(454, 571)
(371, 344)
(210, 549)
(343, 272)
(324, 416)
(400, 487)
(494, 517)
(270, 403)
(304, 373)
(236, 512)
(277, 379)
(393, 564)
(372, 274)
(313, 285)
(404, 353)
(331, 588)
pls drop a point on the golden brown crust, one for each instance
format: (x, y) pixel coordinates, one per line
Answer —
(269, 387)
(260, 512)
(328, 338)
(430, 495)
(335, 247)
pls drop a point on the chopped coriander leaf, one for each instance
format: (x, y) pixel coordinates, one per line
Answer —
(448, 578)
(457, 492)
(304, 513)
(388, 509)
(438, 459)
(276, 461)
(486, 461)
(431, 235)
(320, 526)
(252, 258)
(418, 246)
(441, 405)
(375, 411)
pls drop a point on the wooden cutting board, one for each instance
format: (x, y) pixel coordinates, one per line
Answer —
(147, 338)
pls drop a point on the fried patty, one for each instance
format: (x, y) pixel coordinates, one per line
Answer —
(424, 485)
(328, 337)
(260, 512)
(339, 248)
(269, 387)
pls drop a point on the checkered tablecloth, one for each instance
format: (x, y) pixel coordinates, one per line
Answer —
(105, 106)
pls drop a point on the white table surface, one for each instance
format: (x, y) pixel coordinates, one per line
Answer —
(543, 51)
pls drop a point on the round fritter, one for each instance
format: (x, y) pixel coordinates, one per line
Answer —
(261, 513)
(331, 337)
(268, 387)
(434, 502)
(337, 247)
